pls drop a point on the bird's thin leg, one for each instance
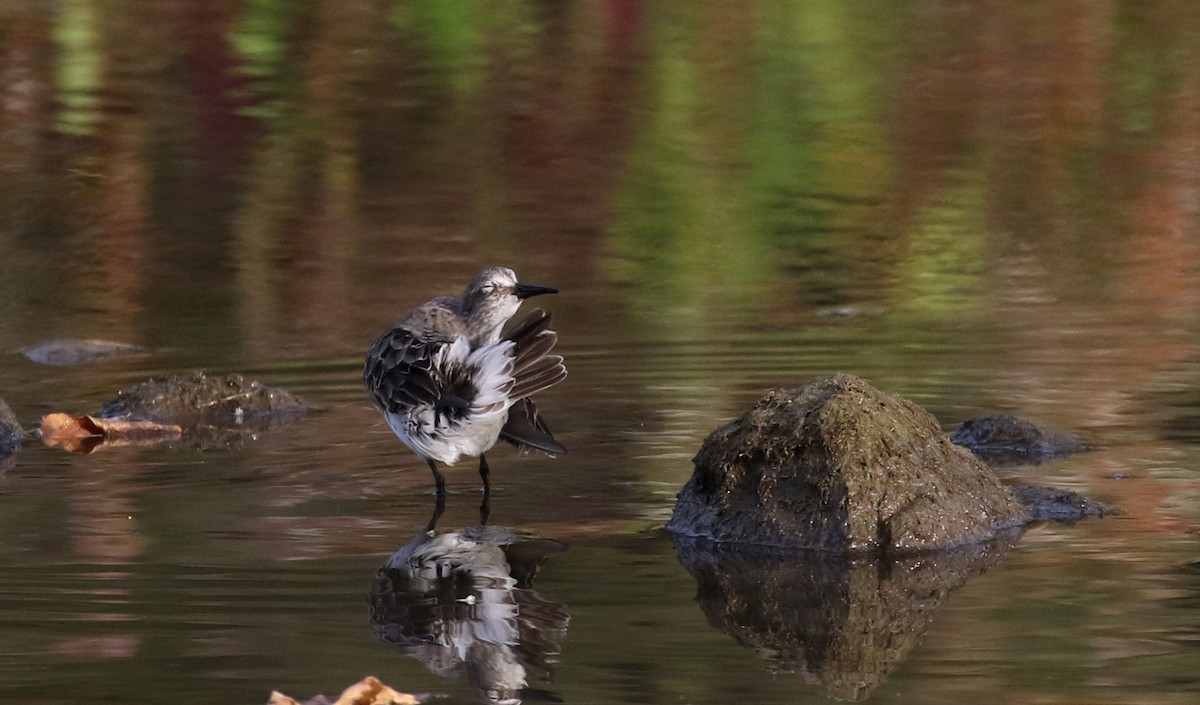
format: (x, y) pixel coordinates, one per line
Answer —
(484, 471)
(485, 509)
(437, 478)
(438, 508)
(440, 505)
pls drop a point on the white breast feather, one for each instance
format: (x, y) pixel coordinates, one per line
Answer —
(493, 365)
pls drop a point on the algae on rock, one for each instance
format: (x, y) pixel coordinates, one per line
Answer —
(840, 466)
(199, 398)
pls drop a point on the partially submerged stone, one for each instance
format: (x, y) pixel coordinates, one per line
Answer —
(839, 466)
(63, 352)
(212, 412)
(1009, 440)
(1179, 405)
(1059, 505)
(197, 398)
(11, 433)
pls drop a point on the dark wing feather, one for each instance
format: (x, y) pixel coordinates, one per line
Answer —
(542, 374)
(534, 348)
(537, 321)
(534, 369)
(397, 372)
(526, 429)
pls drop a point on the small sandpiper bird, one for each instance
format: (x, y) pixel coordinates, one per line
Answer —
(450, 386)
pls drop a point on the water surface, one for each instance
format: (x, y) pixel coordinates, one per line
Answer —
(981, 207)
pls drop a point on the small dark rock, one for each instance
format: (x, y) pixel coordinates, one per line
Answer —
(199, 399)
(65, 352)
(1058, 505)
(1010, 440)
(11, 433)
(839, 466)
(1177, 398)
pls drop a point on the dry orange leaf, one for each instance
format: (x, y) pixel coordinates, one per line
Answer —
(368, 691)
(82, 434)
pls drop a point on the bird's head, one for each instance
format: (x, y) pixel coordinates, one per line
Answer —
(492, 298)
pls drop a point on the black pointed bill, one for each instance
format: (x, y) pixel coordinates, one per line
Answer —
(524, 291)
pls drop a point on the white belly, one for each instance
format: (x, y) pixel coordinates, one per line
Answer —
(447, 441)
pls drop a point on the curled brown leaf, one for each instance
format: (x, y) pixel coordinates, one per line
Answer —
(83, 434)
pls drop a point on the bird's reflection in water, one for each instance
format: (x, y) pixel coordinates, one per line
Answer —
(843, 623)
(463, 602)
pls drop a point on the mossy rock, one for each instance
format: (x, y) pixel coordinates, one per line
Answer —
(840, 466)
(213, 412)
(196, 398)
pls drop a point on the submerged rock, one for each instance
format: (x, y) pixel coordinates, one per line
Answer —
(1058, 505)
(11, 433)
(197, 398)
(1179, 403)
(1010, 440)
(64, 352)
(839, 466)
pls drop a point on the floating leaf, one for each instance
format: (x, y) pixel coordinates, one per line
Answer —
(368, 691)
(83, 434)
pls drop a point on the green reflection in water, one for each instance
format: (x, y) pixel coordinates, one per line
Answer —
(265, 37)
(461, 43)
(817, 156)
(941, 273)
(762, 155)
(680, 234)
(78, 68)
(452, 35)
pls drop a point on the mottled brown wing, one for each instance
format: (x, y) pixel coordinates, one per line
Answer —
(397, 372)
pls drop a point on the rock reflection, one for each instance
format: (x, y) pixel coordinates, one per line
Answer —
(841, 623)
(463, 602)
